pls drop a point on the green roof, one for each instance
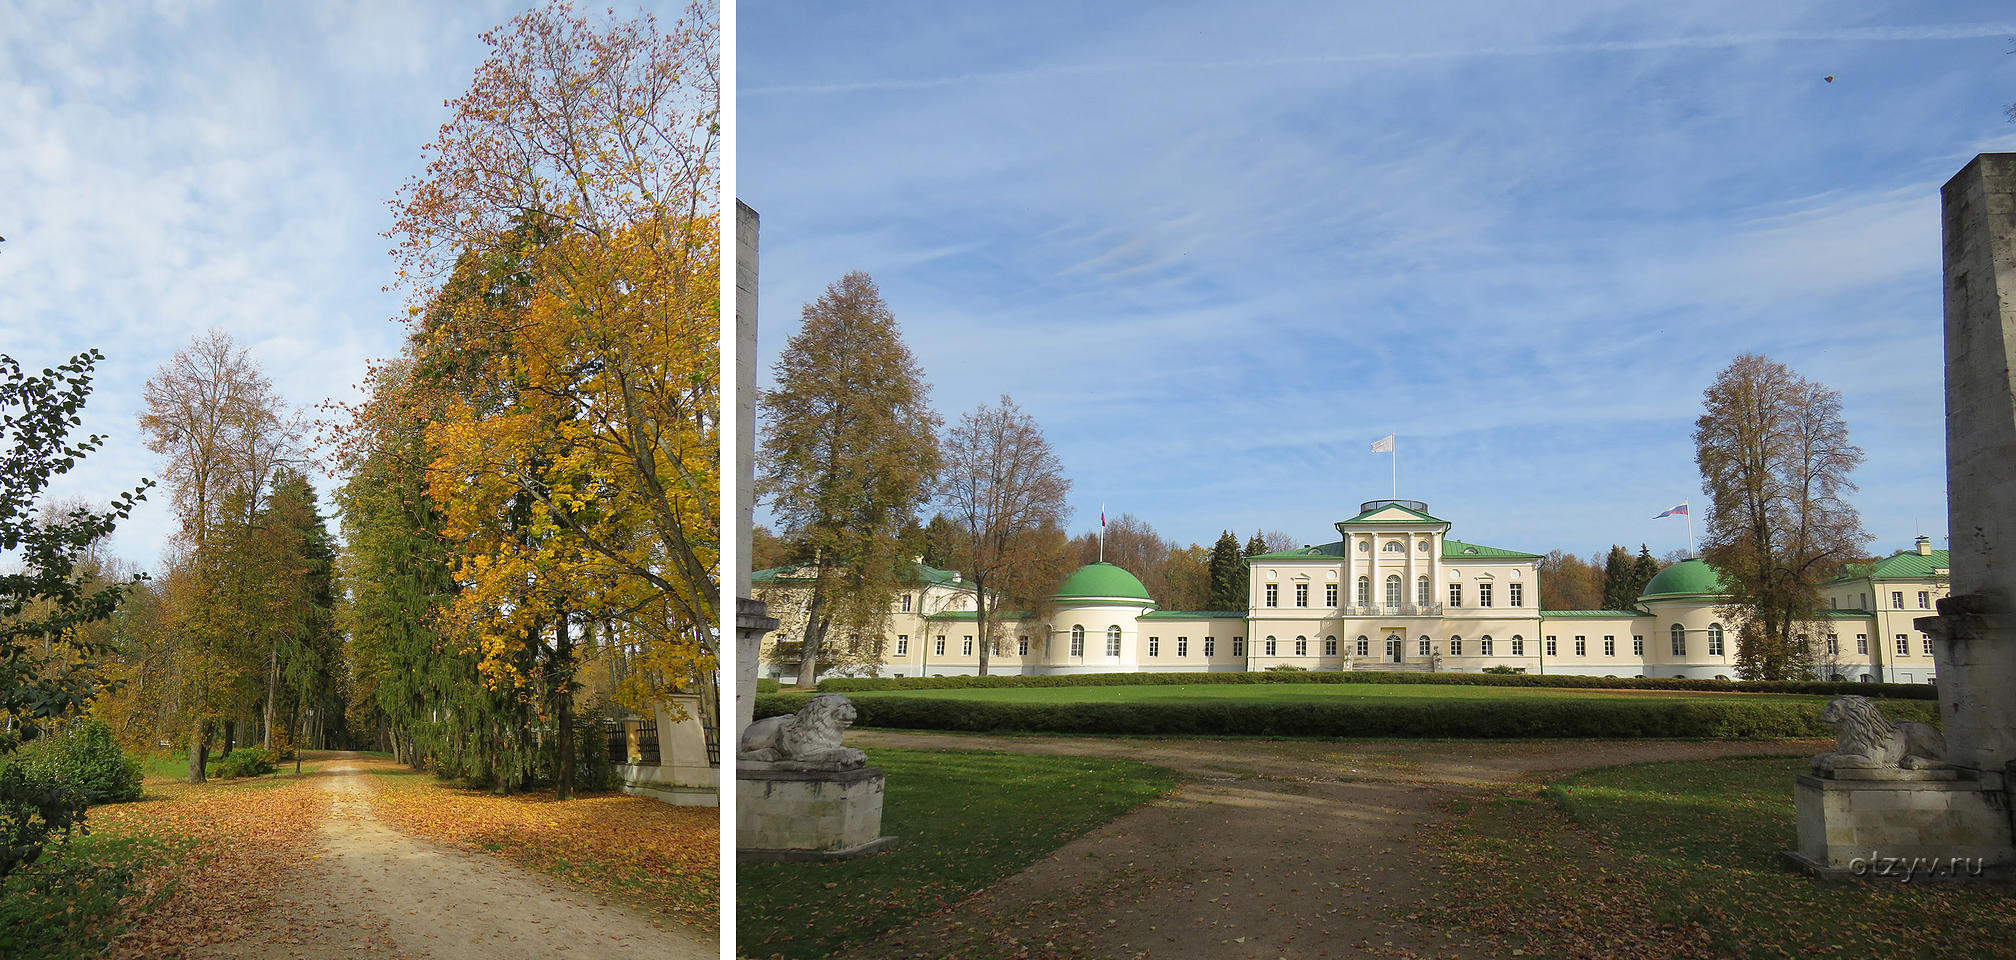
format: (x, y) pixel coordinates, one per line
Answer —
(1103, 581)
(1845, 614)
(1458, 550)
(1688, 578)
(1194, 615)
(918, 573)
(1326, 550)
(1382, 508)
(974, 615)
(1593, 614)
(1906, 565)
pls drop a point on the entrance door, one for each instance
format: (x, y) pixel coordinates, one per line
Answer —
(1393, 649)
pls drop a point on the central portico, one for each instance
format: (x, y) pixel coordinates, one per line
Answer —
(1393, 592)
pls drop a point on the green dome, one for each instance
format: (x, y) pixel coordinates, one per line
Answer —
(1688, 578)
(1103, 581)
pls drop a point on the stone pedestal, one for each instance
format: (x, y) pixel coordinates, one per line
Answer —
(1931, 821)
(799, 814)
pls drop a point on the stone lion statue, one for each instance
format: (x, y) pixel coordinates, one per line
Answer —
(810, 737)
(1865, 739)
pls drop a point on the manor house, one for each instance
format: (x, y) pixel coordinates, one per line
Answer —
(1393, 592)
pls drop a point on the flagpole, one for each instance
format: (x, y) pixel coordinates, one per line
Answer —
(1690, 528)
(1102, 531)
(1396, 470)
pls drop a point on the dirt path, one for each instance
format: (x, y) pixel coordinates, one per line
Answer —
(1272, 849)
(370, 891)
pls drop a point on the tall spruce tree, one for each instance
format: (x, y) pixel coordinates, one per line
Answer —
(1642, 571)
(849, 453)
(1228, 574)
(1618, 593)
(1255, 546)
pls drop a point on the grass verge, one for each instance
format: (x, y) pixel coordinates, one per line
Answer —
(82, 892)
(654, 856)
(965, 820)
(1682, 860)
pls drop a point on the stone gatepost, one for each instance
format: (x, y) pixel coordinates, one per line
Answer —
(1949, 815)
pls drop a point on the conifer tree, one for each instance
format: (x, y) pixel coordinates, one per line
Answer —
(1228, 574)
(1618, 573)
(1642, 571)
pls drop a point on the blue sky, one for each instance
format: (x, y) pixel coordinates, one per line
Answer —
(1217, 254)
(182, 166)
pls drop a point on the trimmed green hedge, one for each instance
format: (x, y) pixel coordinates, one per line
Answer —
(1898, 691)
(1710, 719)
(768, 685)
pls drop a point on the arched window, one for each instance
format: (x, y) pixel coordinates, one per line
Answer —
(1267, 646)
(1301, 646)
(1077, 640)
(1393, 546)
(1426, 647)
(1455, 646)
(1364, 646)
(1715, 639)
(1679, 640)
(1329, 646)
(1421, 593)
(1364, 591)
(1484, 645)
(1393, 590)
(1113, 641)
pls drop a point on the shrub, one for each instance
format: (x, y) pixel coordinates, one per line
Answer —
(1711, 719)
(85, 757)
(593, 768)
(1286, 668)
(243, 762)
(768, 685)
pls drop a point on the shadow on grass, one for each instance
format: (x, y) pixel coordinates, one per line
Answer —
(964, 819)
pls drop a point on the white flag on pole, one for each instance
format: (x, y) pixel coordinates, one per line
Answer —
(1384, 445)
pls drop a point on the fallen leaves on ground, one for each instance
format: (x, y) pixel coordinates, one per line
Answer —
(230, 841)
(644, 853)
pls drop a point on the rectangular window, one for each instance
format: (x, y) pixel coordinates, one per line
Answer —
(1267, 648)
(1238, 646)
(1518, 592)
(1903, 645)
(1518, 647)
(1609, 646)
(940, 649)
(906, 603)
(1483, 594)
(1862, 644)
(1273, 595)
(1924, 600)
(1077, 642)
(1679, 643)
(1424, 648)
(1364, 647)
(1021, 646)
(1833, 645)
(902, 644)
(1896, 599)
(1329, 594)
(1455, 594)
(966, 648)
(1637, 646)
(1552, 647)
(1834, 603)
(1422, 591)
(1301, 647)
(1182, 646)
(1925, 644)
(1581, 647)
(1112, 643)
(1210, 646)
(1714, 643)
(1455, 646)
(1330, 647)
(1484, 647)
(1301, 594)
(1154, 646)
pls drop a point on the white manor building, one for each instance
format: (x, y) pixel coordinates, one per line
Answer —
(1393, 592)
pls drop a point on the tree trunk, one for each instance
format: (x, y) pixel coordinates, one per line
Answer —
(230, 731)
(562, 666)
(199, 750)
(272, 691)
(980, 621)
(815, 635)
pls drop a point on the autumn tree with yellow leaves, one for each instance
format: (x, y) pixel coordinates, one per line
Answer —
(561, 259)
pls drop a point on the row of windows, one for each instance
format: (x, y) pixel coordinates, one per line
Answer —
(1364, 645)
(1516, 593)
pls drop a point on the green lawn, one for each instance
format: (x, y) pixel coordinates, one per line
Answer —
(1682, 859)
(964, 819)
(1314, 693)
